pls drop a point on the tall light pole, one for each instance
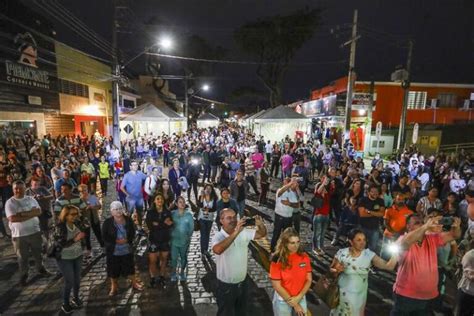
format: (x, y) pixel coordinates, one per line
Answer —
(115, 83)
(351, 76)
(406, 92)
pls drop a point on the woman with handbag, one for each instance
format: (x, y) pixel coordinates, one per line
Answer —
(351, 265)
(67, 238)
(290, 272)
(158, 221)
(207, 203)
(118, 232)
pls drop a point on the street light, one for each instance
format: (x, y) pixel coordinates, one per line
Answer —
(212, 106)
(166, 43)
(205, 87)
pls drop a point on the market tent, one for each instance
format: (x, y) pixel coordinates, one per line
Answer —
(150, 118)
(275, 124)
(206, 120)
(249, 121)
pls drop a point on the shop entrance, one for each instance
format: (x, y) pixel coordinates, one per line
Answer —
(89, 127)
(17, 128)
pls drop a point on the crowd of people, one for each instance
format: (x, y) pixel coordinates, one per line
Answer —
(409, 213)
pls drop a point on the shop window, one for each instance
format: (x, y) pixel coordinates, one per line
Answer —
(73, 88)
(417, 100)
(129, 104)
(447, 100)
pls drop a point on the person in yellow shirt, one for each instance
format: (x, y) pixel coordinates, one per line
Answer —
(104, 175)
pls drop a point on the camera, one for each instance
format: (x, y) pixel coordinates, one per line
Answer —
(250, 222)
(446, 221)
(194, 161)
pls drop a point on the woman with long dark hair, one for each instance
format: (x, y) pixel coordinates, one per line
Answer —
(290, 272)
(159, 223)
(207, 203)
(166, 191)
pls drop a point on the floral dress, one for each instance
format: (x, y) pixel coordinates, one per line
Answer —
(353, 282)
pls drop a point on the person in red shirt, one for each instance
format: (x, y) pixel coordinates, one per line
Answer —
(324, 191)
(290, 273)
(417, 277)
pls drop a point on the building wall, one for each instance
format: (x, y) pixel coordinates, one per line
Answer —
(59, 124)
(77, 67)
(390, 100)
(38, 118)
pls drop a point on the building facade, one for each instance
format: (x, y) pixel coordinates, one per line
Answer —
(28, 70)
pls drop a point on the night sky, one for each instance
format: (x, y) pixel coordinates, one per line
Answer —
(443, 31)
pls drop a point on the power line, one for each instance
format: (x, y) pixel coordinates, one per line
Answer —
(242, 62)
(51, 39)
(46, 8)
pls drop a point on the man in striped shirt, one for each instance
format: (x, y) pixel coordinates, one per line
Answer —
(67, 198)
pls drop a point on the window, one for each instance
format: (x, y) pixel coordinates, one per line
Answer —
(129, 104)
(73, 88)
(417, 100)
(447, 100)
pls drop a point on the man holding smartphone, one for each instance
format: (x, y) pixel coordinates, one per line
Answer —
(230, 245)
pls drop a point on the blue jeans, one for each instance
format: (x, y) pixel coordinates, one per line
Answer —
(320, 223)
(135, 205)
(71, 270)
(373, 236)
(205, 228)
(281, 308)
(241, 210)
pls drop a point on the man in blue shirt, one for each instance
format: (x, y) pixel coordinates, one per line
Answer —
(65, 179)
(132, 187)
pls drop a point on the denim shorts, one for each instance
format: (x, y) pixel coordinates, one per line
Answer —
(281, 308)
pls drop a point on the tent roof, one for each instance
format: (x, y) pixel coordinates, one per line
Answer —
(207, 117)
(254, 116)
(151, 112)
(281, 112)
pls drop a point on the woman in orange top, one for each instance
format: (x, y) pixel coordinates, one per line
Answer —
(290, 272)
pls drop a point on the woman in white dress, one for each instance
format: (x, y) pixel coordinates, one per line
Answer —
(353, 265)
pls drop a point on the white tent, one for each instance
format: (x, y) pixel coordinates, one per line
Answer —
(278, 122)
(150, 118)
(206, 120)
(249, 121)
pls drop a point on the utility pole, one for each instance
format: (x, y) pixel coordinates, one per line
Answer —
(368, 130)
(115, 82)
(406, 88)
(186, 100)
(351, 75)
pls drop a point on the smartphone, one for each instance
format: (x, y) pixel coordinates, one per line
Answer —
(446, 221)
(250, 222)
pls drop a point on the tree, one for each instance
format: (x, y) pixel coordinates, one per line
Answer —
(275, 41)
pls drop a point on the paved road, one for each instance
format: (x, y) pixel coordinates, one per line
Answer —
(196, 297)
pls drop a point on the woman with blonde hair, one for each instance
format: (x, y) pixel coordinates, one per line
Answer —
(290, 273)
(68, 235)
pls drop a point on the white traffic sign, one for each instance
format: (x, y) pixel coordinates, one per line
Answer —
(415, 133)
(378, 130)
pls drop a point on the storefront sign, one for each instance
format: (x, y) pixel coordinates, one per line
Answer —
(34, 100)
(361, 101)
(28, 67)
(321, 107)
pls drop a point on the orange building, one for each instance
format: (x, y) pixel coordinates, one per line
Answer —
(428, 103)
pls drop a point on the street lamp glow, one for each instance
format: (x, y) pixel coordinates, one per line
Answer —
(166, 43)
(212, 105)
(361, 112)
(205, 87)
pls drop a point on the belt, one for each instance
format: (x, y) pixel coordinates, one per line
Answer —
(232, 284)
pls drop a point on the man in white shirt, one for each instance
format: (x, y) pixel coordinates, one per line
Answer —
(230, 245)
(22, 212)
(286, 201)
(268, 151)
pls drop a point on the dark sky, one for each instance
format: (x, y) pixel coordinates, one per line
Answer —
(443, 32)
